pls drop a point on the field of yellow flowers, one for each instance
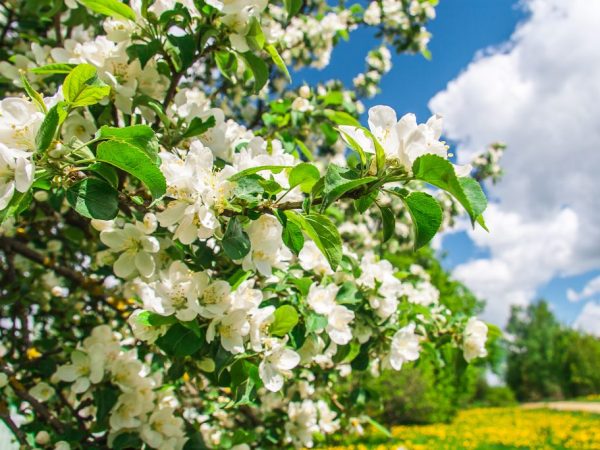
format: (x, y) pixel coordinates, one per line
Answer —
(494, 429)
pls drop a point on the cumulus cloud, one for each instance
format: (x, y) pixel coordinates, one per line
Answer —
(590, 289)
(540, 94)
(589, 319)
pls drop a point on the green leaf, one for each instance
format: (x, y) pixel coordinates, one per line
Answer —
(324, 232)
(235, 240)
(126, 441)
(426, 215)
(151, 319)
(270, 186)
(354, 146)
(339, 180)
(383, 430)
(361, 362)
(365, 202)
(304, 175)
(238, 278)
(140, 136)
(315, 322)
(105, 397)
(19, 203)
(226, 63)
(106, 171)
(91, 96)
(198, 126)
(293, 7)
(278, 60)
(51, 69)
(379, 151)
(348, 294)
(135, 162)
(474, 194)
(253, 170)
(439, 172)
(78, 80)
(82, 87)
(259, 69)
(292, 237)
(389, 223)
(303, 284)
(112, 8)
(255, 37)
(195, 440)
(341, 117)
(47, 131)
(304, 150)
(144, 52)
(94, 198)
(180, 340)
(186, 49)
(34, 95)
(286, 318)
(249, 189)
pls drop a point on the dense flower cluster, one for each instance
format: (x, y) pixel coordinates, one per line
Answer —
(189, 262)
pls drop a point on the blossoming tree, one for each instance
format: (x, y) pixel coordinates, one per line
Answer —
(192, 246)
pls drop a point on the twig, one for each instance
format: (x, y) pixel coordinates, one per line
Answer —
(270, 208)
(5, 416)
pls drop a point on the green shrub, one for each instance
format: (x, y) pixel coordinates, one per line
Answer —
(494, 395)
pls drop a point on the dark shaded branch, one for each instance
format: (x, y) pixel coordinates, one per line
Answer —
(11, 244)
(94, 287)
(5, 417)
(22, 393)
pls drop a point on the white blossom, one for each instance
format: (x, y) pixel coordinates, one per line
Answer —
(302, 423)
(16, 174)
(232, 329)
(175, 292)
(277, 362)
(20, 121)
(405, 347)
(164, 430)
(136, 248)
(402, 140)
(267, 248)
(322, 301)
(42, 392)
(474, 339)
(312, 259)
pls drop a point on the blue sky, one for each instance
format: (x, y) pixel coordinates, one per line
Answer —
(463, 29)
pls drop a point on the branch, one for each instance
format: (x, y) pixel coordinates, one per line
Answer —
(270, 208)
(22, 249)
(22, 393)
(5, 416)
(94, 287)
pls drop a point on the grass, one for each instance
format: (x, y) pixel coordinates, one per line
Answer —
(493, 429)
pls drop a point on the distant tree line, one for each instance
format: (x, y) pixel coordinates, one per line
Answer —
(547, 360)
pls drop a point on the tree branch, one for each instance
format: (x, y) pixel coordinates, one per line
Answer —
(5, 416)
(94, 287)
(22, 393)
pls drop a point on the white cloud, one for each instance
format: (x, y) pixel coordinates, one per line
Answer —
(589, 319)
(541, 95)
(590, 289)
(525, 254)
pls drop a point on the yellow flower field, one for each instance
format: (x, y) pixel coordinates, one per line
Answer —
(494, 429)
